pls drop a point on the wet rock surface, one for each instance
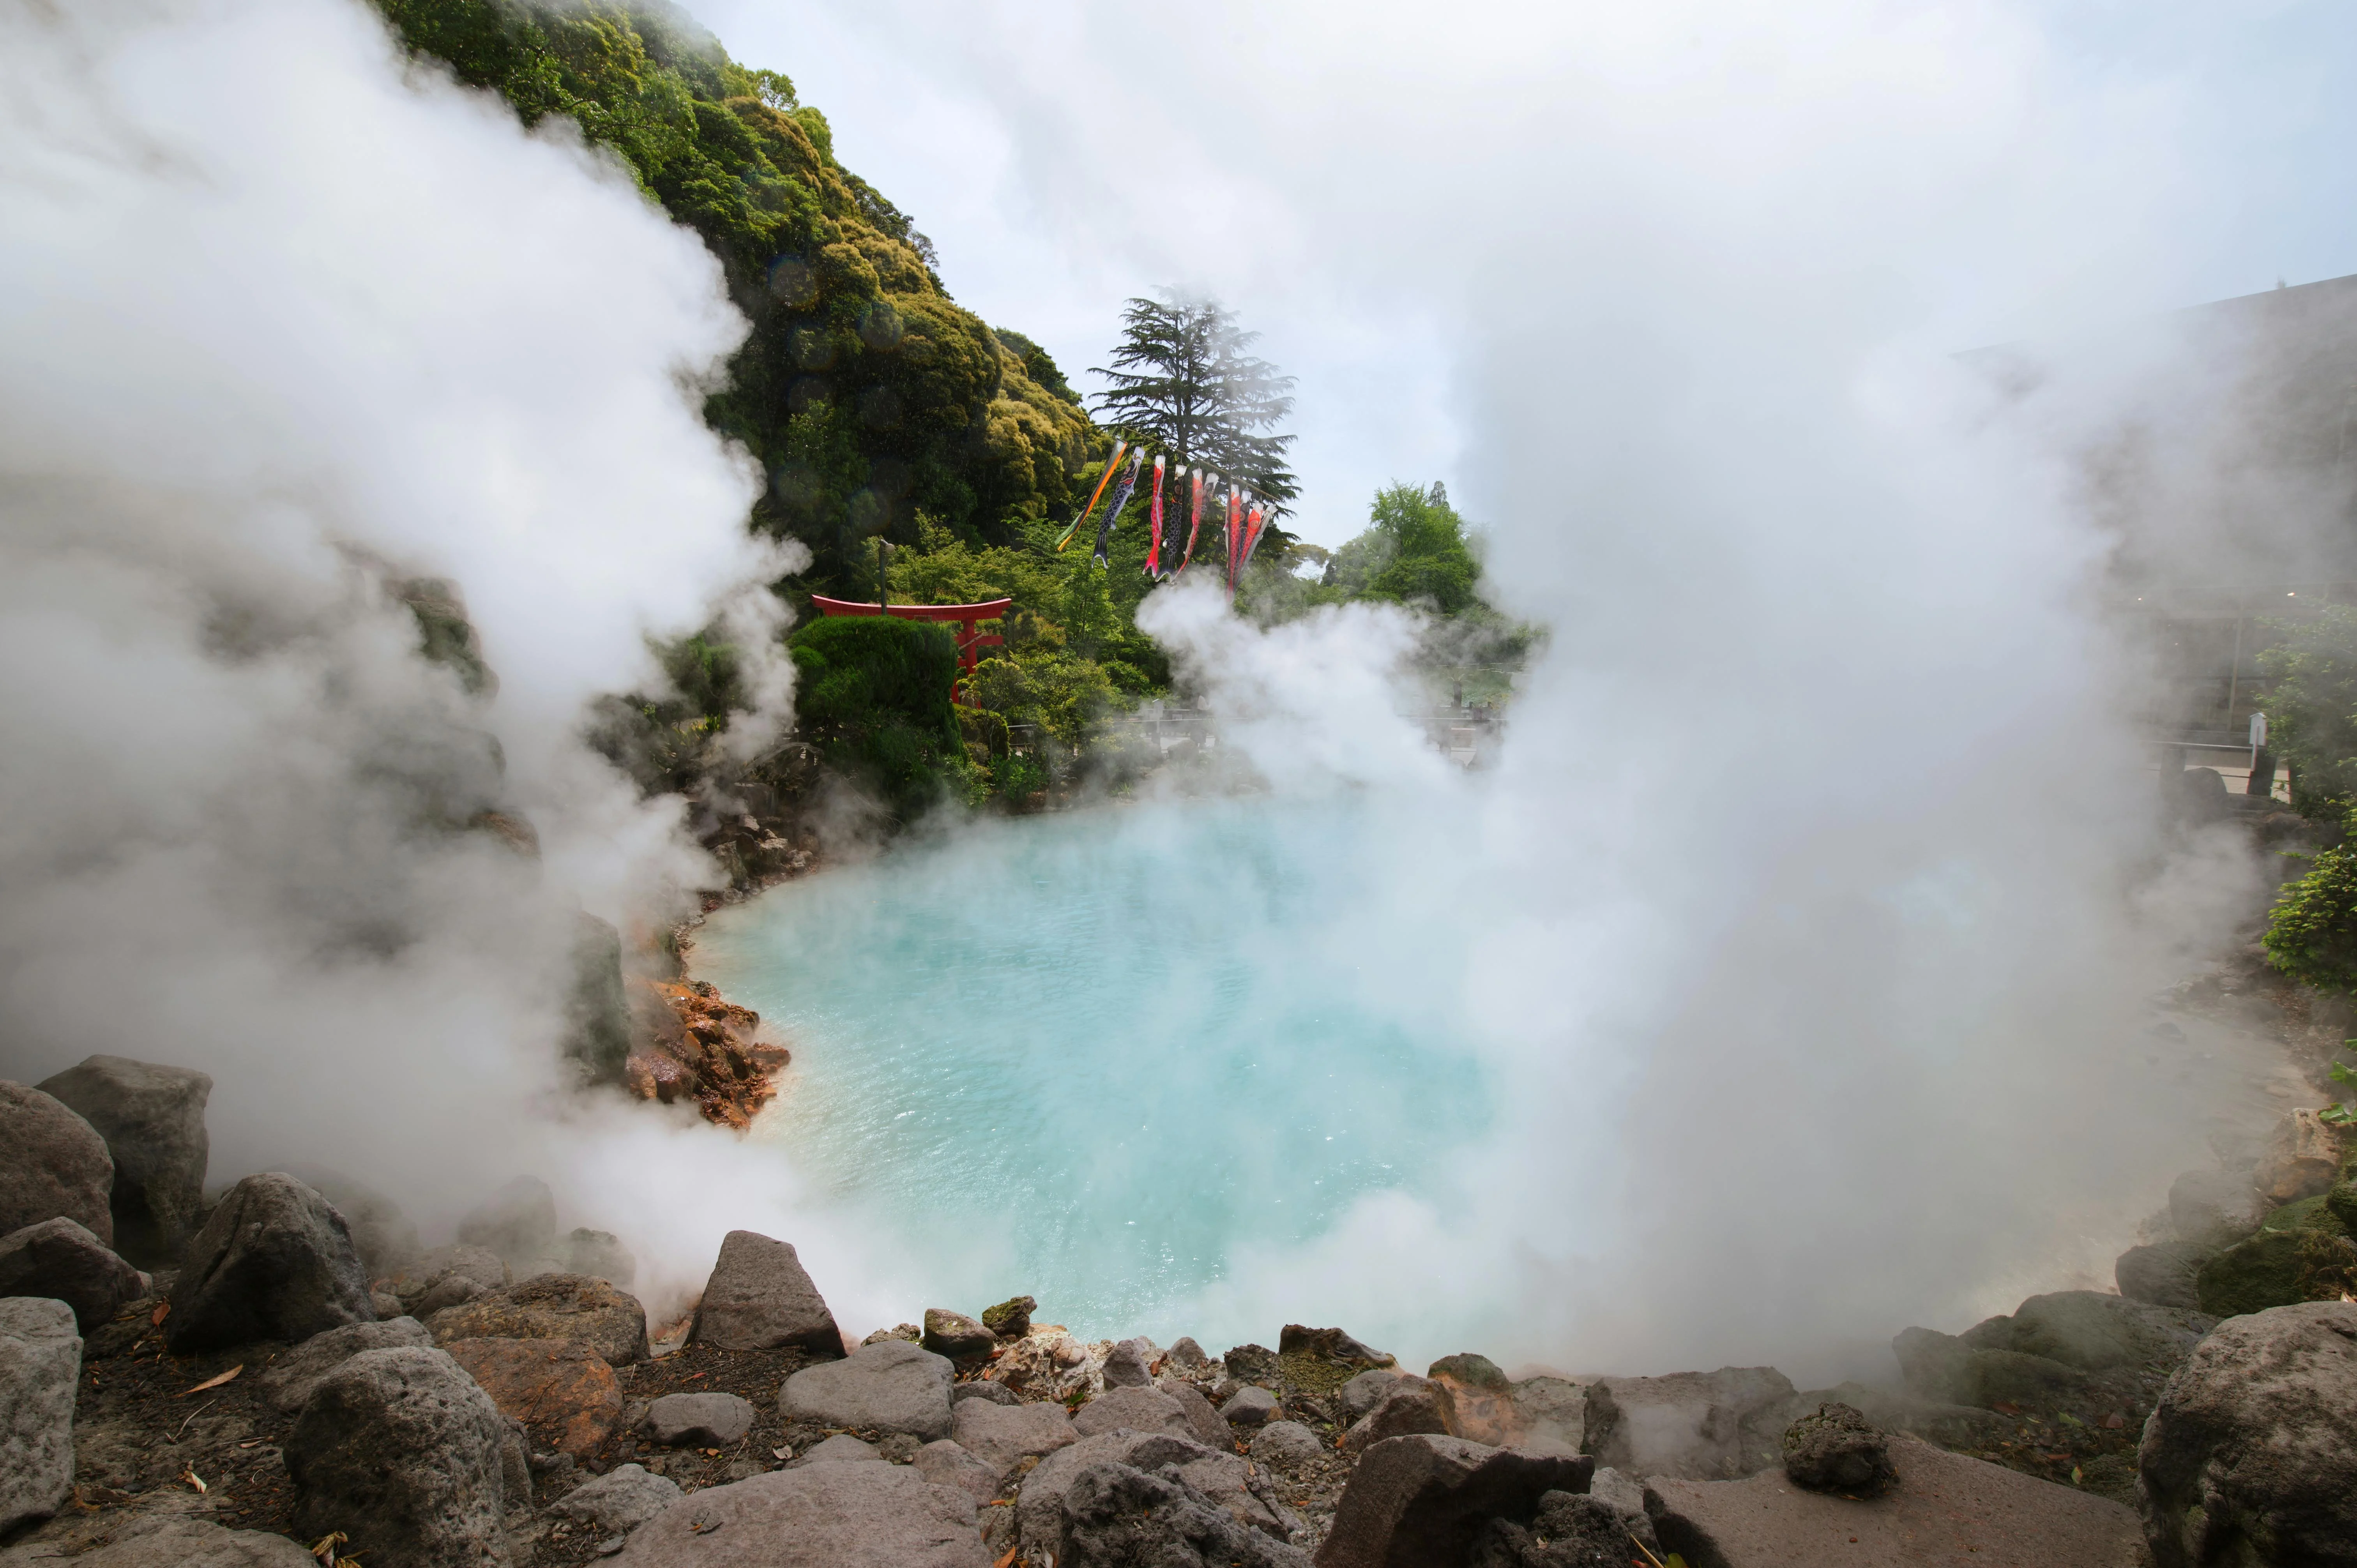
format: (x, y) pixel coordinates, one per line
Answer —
(153, 1119)
(274, 1261)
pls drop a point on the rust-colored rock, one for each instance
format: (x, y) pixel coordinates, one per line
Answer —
(562, 1391)
(2302, 1159)
(688, 1044)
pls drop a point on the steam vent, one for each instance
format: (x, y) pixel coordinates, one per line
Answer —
(931, 786)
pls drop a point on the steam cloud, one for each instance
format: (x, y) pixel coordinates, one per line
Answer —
(286, 320)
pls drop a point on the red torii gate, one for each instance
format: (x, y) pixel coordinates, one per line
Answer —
(968, 639)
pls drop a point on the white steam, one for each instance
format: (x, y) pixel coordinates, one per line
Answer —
(284, 319)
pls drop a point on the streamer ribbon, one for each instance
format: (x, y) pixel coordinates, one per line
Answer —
(1153, 525)
(1194, 518)
(1120, 499)
(1118, 447)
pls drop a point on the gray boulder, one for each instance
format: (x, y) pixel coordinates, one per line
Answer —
(983, 1389)
(175, 1541)
(1426, 1501)
(947, 1463)
(1571, 1530)
(1224, 1479)
(288, 1383)
(2250, 1457)
(2216, 1209)
(59, 1259)
(699, 1421)
(1139, 1409)
(153, 1119)
(1363, 1392)
(41, 1360)
(1115, 1516)
(399, 1449)
(517, 1222)
(52, 1163)
(2162, 1273)
(1203, 1423)
(1249, 1406)
(273, 1261)
(1835, 1449)
(2093, 1331)
(448, 1276)
(1286, 1445)
(1701, 1425)
(758, 1298)
(840, 1449)
(890, 1386)
(600, 1255)
(1126, 1367)
(1409, 1405)
(814, 1515)
(956, 1336)
(1002, 1437)
(619, 1501)
(1945, 1368)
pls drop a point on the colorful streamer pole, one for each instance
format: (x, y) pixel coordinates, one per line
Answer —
(1153, 525)
(1111, 463)
(1120, 499)
(1236, 536)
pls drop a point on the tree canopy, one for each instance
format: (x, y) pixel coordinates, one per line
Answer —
(1184, 379)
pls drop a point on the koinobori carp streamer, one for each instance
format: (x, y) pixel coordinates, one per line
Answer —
(1120, 499)
(1118, 447)
(1153, 525)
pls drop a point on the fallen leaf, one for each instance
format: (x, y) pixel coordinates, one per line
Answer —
(324, 1549)
(214, 1383)
(2076, 1478)
(782, 1454)
(162, 1309)
(195, 1480)
(2006, 1407)
(1005, 1560)
(712, 1454)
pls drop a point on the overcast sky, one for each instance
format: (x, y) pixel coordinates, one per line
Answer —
(1349, 179)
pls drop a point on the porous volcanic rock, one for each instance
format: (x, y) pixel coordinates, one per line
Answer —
(59, 1259)
(173, 1541)
(1834, 1449)
(274, 1261)
(1408, 1405)
(1139, 1409)
(448, 1276)
(1202, 1421)
(1010, 1319)
(287, 1382)
(1942, 1508)
(40, 1357)
(1332, 1344)
(1223, 1477)
(947, 1463)
(400, 1449)
(699, 1421)
(1115, 1516)
(1249, 1406)
(888, 1387)
(563, 1392)
(52, 1163)
(153, 1119)
(1285, 1446)
(1127, 1366)
(1425, 1501)
(2302, 1158)
(759, 1298)
(814, 1515)
(2162, 1273)
(610, 1322)
(2250, 1454)
(619, 1501)
(1571, 1530)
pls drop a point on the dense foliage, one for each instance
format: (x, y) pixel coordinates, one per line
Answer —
(2312, 930)
(873, 694)
(865, 391)
(2313, 709)
(1185, 382)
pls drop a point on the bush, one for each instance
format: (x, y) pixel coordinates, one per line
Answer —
(874, 697)
(2312, 929)
(2313, 711)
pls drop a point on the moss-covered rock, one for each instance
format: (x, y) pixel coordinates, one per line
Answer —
(2303, 1252)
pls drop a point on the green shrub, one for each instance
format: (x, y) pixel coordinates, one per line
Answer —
(2312, 929)
(872, 696)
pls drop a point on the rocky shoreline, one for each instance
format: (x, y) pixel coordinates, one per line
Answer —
(281, 1373)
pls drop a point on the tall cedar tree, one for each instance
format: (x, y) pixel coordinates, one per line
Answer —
(1184, 381)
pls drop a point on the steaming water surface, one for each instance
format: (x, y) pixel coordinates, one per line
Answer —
(1086, 1056)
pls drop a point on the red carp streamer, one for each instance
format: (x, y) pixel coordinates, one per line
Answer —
(1235, 537)
(1194, 518)
(1153, 525)
(1118, 447)
(1255, 525)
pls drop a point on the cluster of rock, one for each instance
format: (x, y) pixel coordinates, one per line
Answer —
(493, 1402)
(691, 1047)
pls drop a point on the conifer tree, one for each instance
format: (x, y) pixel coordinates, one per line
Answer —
(1186, 382)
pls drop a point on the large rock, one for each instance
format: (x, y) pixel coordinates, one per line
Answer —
(153, 1119)
(1700, 1425)
(401, 1451)
(1944, 1368)
(1286, 1445)
(2301, 1160)
(619, 1501)
(286, 1385)
(947, 1463)
(41, 1360)
(1139, 1410)
(273, 1261)
(517, 1222)
(699, 1421)
(889, 1386)
(1225, 1479)
(1363, 1392)
(758, 1298)
(610, 1322)
(1409, 1405)
(2251, 1454)
(1249, 1406)
(816, 1516)
(1115, 1516)
(52, 1163)
(600, 1255)
(564, 1392)
(2216, 1209)
(1571, 1530)
(1330, 1344)
(1425, 1501)
(2093, 1331)
(2303, 1252)
(1944, 1508)
(1550, 1415)
(448, 1276)
(2163, 1272)
(956, 1336)
(1011, 1318)
(1203, 1423)
(1128, 1366)
(173, 1541)
(59, 1259)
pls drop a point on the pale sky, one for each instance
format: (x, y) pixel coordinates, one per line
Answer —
(1349, 179)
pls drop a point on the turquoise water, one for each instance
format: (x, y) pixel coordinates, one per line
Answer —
(1087, 1056)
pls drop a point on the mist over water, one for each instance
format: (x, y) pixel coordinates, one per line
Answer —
(1087, 1059)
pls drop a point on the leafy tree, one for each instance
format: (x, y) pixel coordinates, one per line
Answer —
(2313, 711)
(1414, 552)
(873, 693)
(1186, 380)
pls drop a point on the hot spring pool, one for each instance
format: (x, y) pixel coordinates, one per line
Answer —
(1088, 1056)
